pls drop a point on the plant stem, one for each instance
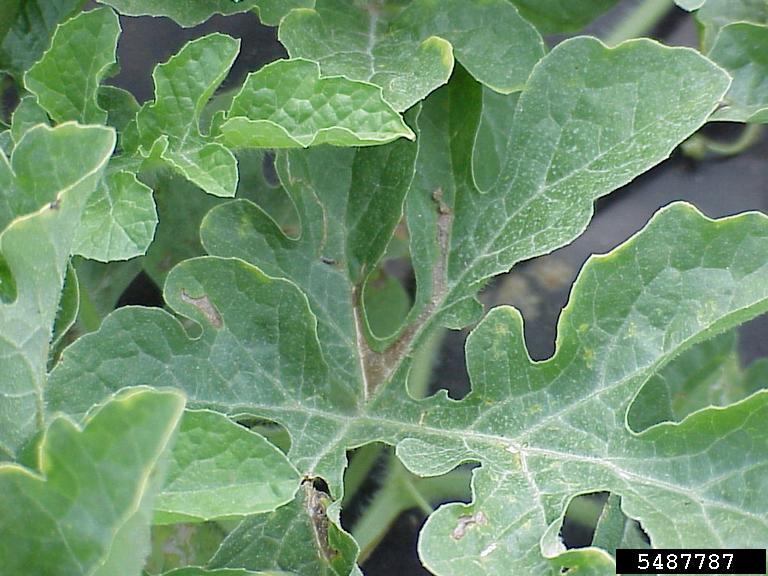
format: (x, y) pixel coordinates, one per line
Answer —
(699, 146)
(640, 21)
(365, 458)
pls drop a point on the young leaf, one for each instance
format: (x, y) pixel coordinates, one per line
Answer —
(89, 510)
(194, 12)
(543, 432)
(742, 49)
(220, 469)
(120, 218)
(26, 30)
(66, 80)
(408, 50)
(45, 187)
(168, 129)
(287, 104)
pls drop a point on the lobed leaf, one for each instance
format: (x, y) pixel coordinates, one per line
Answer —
(590, 120)
(349, 203)
(543, 432)
(287, 104)
(408, 48)
(45, 187)
(275, 326)
(120, 219)
(168, 129)
(630, 312)
(89, 509)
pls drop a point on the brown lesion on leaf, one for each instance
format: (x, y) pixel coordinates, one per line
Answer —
(378, 367)
(55, 205)
(465, 523)
(204, 304)
(316, 501)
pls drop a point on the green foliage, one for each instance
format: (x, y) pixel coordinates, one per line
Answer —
(46, 184)
(211, 437)
(89, 510)
(287, 104)
(193, 12)
(26, 27)
(734, 34)
(742, 49)
(408, 48)
(219, 469)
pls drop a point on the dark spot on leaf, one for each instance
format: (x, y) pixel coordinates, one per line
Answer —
(467, 522)
(442, 207)
(206, 307)
(329, 261)
(55, 204)
(317, 500)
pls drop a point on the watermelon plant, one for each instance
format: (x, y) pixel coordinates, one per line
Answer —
(227, 432)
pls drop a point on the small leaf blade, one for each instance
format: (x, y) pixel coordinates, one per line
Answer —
(219, 469)
(288, 104)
